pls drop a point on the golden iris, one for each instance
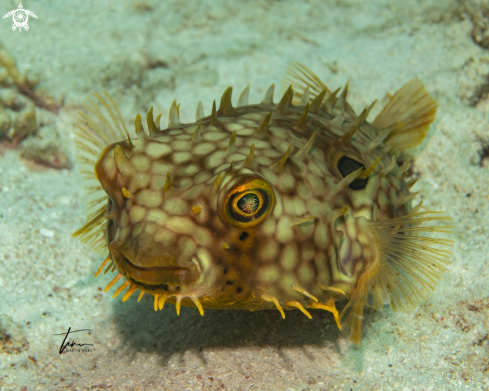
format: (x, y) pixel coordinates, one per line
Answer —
(248, 202)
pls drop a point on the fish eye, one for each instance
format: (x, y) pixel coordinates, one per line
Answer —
(248, 202)
(346, 166)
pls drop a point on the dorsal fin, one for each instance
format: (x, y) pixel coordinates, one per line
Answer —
(413, 109)
(301, 77)
(99, 125)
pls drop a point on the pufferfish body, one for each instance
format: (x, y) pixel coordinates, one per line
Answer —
(288, 205)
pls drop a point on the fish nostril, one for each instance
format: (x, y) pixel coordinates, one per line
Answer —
(243, 236)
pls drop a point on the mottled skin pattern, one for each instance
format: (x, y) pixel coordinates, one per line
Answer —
(222, 264)
(303, 236)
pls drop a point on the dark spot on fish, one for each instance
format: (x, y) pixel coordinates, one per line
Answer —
(239, 289)
(177, 289)
(346, 166)
(229, 282)
(243, 236)
(225, 270)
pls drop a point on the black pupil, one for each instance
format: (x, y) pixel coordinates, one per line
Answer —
(248, 203)
(346, 166)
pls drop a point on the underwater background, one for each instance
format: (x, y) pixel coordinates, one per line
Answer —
(147, 53)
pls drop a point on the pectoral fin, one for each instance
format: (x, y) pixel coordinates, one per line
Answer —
(407, 268)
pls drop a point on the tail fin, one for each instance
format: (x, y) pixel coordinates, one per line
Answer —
(411, 110)
(407, 269)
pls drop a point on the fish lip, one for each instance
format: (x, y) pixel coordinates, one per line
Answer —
(154, 268)
(152, 275)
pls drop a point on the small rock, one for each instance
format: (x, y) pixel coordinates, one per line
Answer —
(47, 233)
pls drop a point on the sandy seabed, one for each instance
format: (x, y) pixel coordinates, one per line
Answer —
(146, 53)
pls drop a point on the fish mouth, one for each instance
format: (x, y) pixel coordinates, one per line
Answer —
(156, 269)
(152, 277)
